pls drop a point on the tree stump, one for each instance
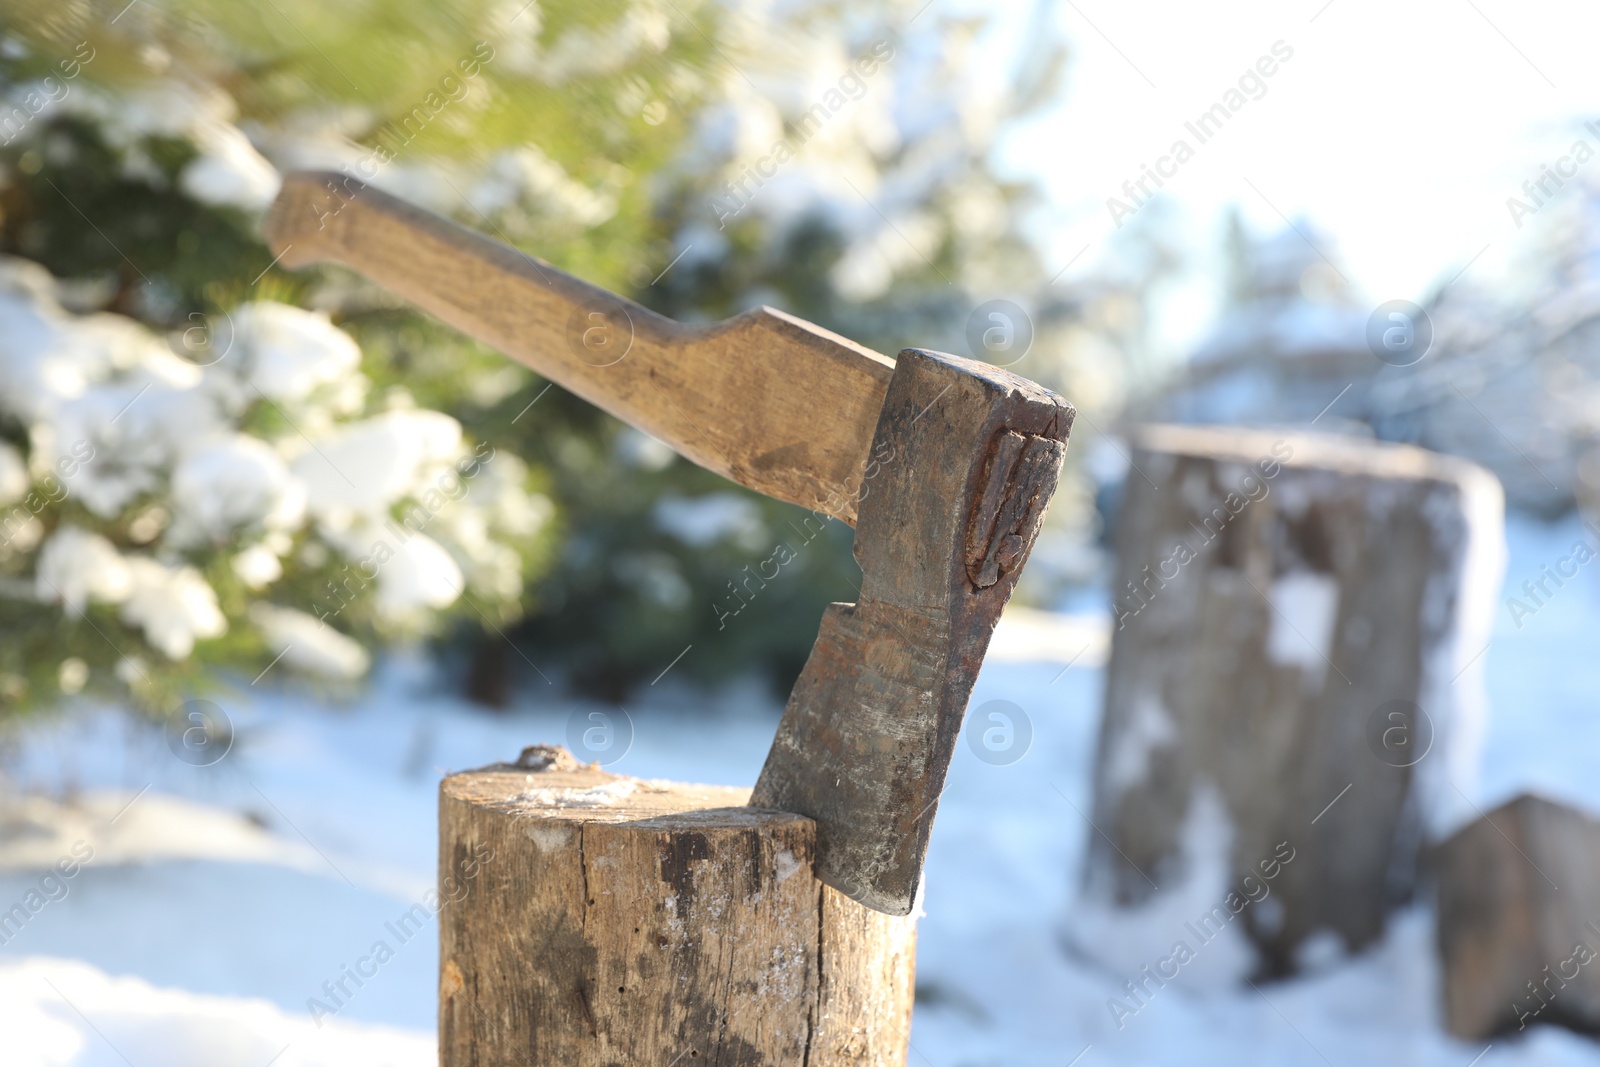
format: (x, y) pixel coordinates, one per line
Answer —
(594, 919)
(1299, 625)
(1519, 920)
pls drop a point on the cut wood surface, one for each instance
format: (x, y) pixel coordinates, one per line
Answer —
(610, 920)
(1519, 920)
(1285, 605)
(771, 401)
(964, 464)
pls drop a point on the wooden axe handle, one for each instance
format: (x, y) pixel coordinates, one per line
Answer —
(771, 401)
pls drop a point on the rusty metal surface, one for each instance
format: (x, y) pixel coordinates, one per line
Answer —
(968, 458)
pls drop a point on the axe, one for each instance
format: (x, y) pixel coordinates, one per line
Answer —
(943, 465)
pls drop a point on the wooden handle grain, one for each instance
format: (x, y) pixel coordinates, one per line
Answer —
(771, 401)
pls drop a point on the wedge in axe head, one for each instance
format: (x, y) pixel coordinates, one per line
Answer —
(944, 465)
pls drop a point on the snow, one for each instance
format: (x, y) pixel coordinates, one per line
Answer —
(1453, 669)
(1026, 635)
(76, 566)
(257, 566)
(50, 357)
(599, 796)
(150, 443)
(234, 482)
(286, 352)
(309, 644)
(45, 1003)
(1149, 728)
(229, 172)
(1304, 607)
(1124, 940)
(525, 175)
(421, 574)
(174, 606)
(135, 428)
(73, 675)
(707, 519)
(222, 898)
(356, 472)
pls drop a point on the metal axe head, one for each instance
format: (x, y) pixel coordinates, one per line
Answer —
(964, 462)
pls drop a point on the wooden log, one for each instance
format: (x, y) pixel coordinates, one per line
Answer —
(610, 920)
(1300, 622)
(1519, 920)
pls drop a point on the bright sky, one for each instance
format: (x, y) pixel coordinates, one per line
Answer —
(1399, 127)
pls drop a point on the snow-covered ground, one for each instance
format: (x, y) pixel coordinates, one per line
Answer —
(218, 900)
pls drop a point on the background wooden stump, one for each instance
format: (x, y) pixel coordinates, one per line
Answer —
(1285, 603)
(1519, 920)
(609, 920)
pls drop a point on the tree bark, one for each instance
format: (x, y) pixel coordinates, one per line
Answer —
(1300, 623)
(593, 919)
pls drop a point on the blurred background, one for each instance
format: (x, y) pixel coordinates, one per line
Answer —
(237, 730)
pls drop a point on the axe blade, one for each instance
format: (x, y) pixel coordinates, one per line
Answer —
(964, 462)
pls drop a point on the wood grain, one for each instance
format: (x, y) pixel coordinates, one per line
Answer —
(623, 921)
(966, 459)
(771, 401)
(1519, 893)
